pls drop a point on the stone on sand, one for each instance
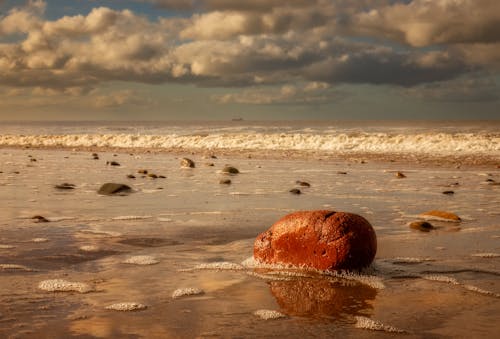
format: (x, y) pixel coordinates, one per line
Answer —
(230, 170)
(423, 226)
(323, 240)
(187, 163)
(295, 191)
(65, 186)
(113, 188)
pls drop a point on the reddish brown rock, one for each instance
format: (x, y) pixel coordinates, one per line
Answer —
(323, 240)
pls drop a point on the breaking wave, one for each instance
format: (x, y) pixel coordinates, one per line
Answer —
(361, 142)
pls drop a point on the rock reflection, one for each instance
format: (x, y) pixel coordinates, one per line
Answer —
(323, 297)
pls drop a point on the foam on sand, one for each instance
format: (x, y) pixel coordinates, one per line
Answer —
(486, 255)
(127, 307)
(183, 292)
(220, 266)
(59, 285)
(269, 314)
(141, 260)
(369, 324)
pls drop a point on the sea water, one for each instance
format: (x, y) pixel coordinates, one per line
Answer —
(187, 232)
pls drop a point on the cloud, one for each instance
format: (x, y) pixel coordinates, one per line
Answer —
(424, 22)
(309, 93)
(276, 45)
(468, 89)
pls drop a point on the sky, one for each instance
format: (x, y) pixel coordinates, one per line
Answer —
(250, 59)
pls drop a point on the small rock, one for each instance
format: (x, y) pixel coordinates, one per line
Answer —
(225, 182)
(295, 191)
(209, 164)
(448, 192)
(130, 176)
(33, 160)
(441, 215)
(400, 175)
(142, 171)
(152, 176)
(95, 156)
(341, 172)
(423, 226)
(39, 218)
(65, 186)
(303, 183)
(112, 188)
(112, 163)
(187, 163)
(230, 170)
(161, 176)
(323, 240)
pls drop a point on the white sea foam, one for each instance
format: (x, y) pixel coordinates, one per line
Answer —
(141, 260)
(182, 292)
(369, 324)
(442, 278)
(429, 143)
(269, 314)
(126, 307)
(59, 285)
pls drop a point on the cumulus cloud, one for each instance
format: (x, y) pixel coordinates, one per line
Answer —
(274, 44)
(424, 22)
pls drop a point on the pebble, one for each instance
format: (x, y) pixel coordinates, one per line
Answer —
(65, 186)
(225, 182)
(113, 188)
(295, 191)
(39, 218)
(423, 226)
(187, 163)
(230, 170)
(400, 175)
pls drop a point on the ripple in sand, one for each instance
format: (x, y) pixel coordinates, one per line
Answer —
(59, 285)
(269, 314)
(126, 307)
(369, 324)
(183, 292)
(409, 260)
(6, 247)
(141, 260)
(486, 255)
(132, 217)
(38, 240)
(453, 281)
(14, 267)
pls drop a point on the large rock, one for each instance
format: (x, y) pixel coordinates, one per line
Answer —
(112, 188)
(323, 240)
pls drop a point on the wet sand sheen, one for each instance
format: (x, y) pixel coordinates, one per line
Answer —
(424, 284)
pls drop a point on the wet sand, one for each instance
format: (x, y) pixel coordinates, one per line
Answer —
(174, 232)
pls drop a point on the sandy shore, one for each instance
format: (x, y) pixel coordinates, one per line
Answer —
(174, 254)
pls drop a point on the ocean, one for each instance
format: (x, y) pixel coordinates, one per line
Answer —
(179, 247)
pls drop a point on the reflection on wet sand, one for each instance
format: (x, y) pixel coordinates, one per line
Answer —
(323, 297)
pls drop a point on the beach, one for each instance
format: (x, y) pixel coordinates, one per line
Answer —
(179, 246)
